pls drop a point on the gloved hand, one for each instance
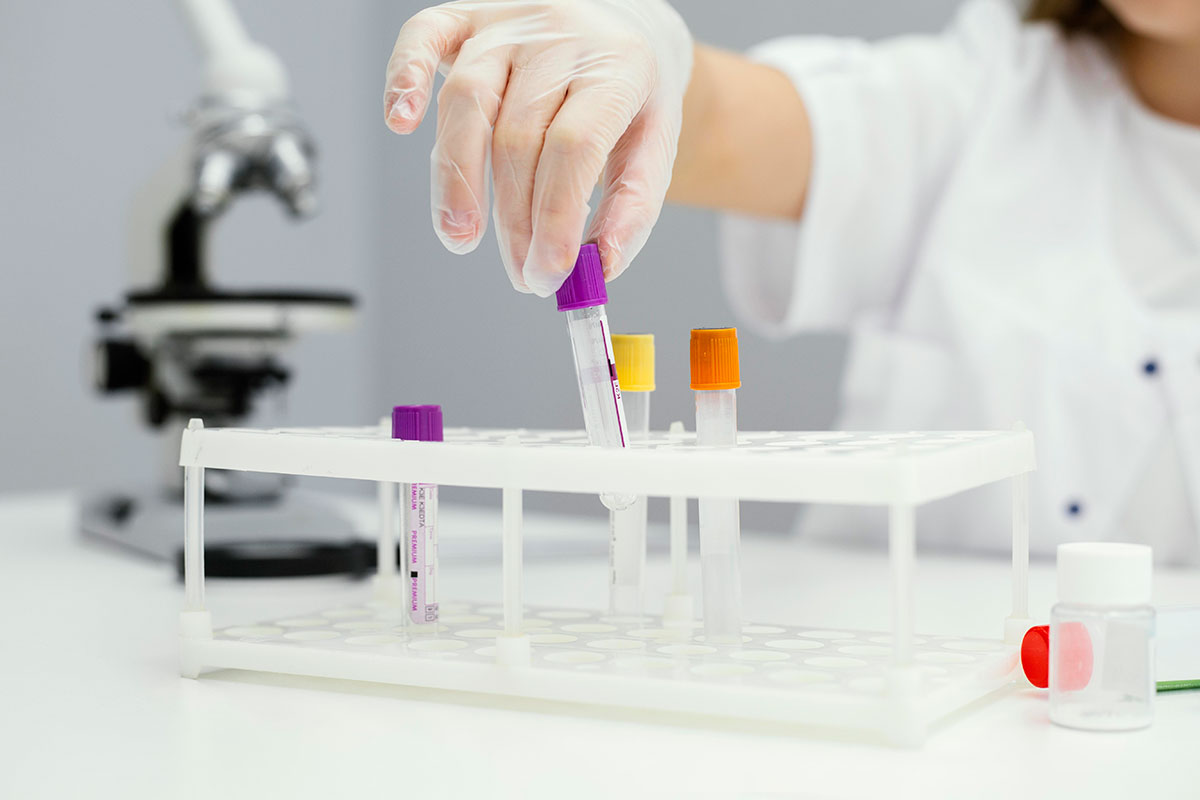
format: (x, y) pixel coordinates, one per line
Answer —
(558, 93)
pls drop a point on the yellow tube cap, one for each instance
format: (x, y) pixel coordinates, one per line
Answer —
(714, 354)
(634, 353)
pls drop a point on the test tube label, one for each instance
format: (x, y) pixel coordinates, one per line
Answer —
(616, 386)
(422, 556)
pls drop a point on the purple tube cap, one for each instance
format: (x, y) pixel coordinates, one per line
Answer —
(417, 423)
(584, 287)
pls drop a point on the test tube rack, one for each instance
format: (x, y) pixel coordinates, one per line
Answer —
(891, 685)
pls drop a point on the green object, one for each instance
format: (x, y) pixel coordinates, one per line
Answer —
(1177, 686)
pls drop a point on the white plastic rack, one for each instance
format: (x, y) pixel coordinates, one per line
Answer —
(894, 684)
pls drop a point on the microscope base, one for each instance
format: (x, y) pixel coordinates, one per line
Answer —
(150, 522)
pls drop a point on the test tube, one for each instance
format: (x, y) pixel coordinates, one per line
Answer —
(634, 355)
(582, 297)
(716, 377)
(419, 503)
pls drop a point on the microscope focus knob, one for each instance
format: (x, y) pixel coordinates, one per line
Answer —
(119, 365)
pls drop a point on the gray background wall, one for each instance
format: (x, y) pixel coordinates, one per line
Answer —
(92, 95)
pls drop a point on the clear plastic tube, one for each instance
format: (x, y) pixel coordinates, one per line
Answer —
(627, 542)
(421, 551)
(720, 528)
(637, 414)
(599, 392)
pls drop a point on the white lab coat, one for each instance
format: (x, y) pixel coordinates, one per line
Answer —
(1007, 235)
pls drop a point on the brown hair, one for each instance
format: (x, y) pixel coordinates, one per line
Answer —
(1075, 16)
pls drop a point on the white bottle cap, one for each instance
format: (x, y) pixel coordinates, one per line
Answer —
(1104, 574)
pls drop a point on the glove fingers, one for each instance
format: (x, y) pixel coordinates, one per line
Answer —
(467, 107)
(424, 41)
(532, 99)
(636, 179)
(576, 147)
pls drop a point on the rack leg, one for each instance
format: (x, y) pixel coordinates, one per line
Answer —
(387, 585)
(513, 647)
(193, 538)
(902, 550)
(907, 729)
(195, 621)
(512, 555)
(1018, 621)
(679, 545)
(679, 608)
(387, 582)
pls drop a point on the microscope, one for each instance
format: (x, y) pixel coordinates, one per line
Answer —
(188, 348)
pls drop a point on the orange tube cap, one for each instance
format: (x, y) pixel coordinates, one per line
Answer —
(714, 354)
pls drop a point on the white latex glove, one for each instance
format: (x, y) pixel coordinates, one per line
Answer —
(559, 94)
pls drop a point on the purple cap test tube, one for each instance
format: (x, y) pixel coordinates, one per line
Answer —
(582, 299)
(417, 423)
(419, 506)
(584, 287)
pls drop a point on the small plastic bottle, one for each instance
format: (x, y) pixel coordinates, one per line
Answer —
(1102, 638)
(419, 506)
(634, 355)
(582, 298)
(716, 377)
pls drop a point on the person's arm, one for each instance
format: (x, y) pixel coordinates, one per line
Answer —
(745, 144)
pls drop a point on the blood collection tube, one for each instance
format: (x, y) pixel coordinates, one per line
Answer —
(634, 355)
(582, 297)
(716, 377)
(419, 504)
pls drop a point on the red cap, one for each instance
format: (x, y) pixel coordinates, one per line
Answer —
(1074, 656)
(1035, 655)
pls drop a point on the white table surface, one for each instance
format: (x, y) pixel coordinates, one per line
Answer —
(91, 704)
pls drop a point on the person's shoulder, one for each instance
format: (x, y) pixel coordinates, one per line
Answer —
(994, 31)
(982, 16)
(1030, 53)
(1032, 59)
